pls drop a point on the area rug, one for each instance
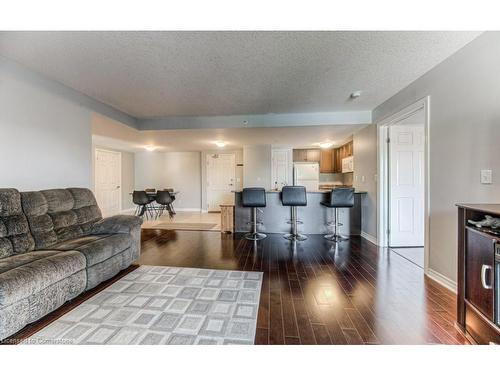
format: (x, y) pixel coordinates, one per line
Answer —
(164, 305)
(188, 226)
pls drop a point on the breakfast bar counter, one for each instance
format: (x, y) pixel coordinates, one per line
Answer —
(314, 216)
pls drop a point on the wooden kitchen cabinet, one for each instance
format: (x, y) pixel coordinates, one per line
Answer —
(299, 155)
(340, 153)
(326, 161)
(311, 155)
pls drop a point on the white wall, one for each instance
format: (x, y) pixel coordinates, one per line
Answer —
(464, 138)
(183, 173)
(45, 139)
(257, 166)
(150, 170)
(178, 170)
(365, 165)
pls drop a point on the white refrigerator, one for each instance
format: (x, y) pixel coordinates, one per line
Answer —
(306, 174)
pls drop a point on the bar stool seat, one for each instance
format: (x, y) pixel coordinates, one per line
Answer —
(339, 198)
(294, 196)
(254, 198)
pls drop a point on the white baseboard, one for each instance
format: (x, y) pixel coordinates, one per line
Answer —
(441, 279)
(128, 211)
(369, 237)
(187, 209)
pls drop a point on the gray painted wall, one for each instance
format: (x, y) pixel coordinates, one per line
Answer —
(464, 95)
(183, 173)
(150, 170)
(365, 165)
(257, 166)
(45, 139)
(178, 170)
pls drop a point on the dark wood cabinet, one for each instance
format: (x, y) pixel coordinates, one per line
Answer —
(479, 277)
(477, 293)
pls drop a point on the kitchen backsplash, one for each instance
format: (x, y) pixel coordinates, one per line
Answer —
(336, 178)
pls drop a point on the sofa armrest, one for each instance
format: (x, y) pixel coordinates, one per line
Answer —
(116, 224)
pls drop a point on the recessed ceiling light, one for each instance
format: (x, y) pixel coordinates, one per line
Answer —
(220, 144)
(356, 94)
(326, 144)
(150, 148)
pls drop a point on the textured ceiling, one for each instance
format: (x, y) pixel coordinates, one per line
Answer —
(156, 74)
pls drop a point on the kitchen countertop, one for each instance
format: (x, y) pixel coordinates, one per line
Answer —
(308, 191)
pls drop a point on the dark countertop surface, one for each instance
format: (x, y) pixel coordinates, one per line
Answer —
(308, 191)
(492, 208)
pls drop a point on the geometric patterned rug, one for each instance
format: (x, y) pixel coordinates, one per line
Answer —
(164, 305)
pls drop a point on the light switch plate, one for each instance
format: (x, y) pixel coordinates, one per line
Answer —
(486, 176)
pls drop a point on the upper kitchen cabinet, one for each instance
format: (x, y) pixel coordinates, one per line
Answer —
(306, 155)
(313, 155)
(299, 155)
(341, 153)
(326, 161)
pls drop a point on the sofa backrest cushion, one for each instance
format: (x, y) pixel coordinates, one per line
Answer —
(58, 215)
(15, 236)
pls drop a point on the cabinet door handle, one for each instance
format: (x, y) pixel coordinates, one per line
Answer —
(484, 269)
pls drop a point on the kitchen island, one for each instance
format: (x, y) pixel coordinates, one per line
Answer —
(314, 216)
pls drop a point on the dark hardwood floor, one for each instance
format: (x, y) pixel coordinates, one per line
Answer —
(316, 293)
(313, 292)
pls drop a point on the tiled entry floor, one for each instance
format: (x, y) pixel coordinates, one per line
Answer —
(189, 218)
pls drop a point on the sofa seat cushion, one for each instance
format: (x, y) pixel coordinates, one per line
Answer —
(97, 248)
(23, 275)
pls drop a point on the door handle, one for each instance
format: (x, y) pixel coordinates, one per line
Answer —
(484, 269)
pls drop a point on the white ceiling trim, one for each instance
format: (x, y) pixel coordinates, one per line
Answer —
(256, 121)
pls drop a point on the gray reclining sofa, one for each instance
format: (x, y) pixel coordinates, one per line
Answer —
(54, 245)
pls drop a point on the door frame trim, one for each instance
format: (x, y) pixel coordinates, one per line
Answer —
(120, 169)
(383, 173)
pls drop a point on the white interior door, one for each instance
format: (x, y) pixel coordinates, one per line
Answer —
(108, 181)
(280, 169)
(221, 169)
(406, 185)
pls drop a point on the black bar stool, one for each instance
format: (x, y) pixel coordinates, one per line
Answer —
(294, 196)
(339, 198)
(254, 197)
